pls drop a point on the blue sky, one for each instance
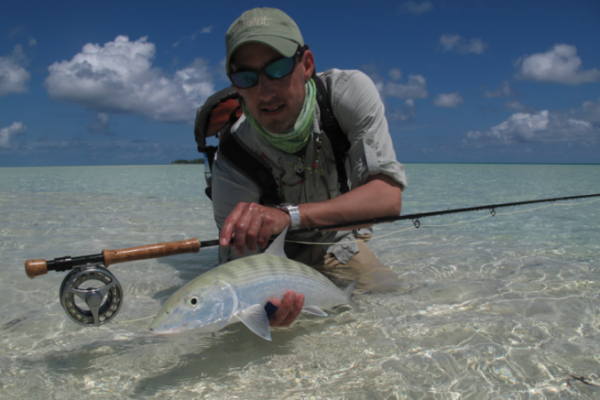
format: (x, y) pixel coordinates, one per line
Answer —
(109, 83)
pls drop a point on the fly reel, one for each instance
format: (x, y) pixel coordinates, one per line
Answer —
(93, 305)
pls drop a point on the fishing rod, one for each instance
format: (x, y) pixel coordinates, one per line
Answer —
(97, 306)
(415, 217)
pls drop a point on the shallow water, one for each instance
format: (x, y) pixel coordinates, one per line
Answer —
(504, 307)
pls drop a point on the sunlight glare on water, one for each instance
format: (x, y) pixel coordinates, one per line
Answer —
(505, 307)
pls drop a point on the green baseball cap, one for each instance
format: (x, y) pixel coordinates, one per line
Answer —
(270, 26)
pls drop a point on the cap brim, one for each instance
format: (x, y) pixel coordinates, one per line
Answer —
(285, 47)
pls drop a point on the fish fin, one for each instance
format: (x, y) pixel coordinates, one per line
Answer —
(348, 291)
(276, 248)
(255, 318)
(314, 310)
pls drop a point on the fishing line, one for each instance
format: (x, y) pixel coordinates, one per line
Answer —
(133, 320)
(416, 226)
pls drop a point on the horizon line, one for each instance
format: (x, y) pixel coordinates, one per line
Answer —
(415, 162)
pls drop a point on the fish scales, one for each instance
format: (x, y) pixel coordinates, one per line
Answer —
(263, 276)
(239, 290)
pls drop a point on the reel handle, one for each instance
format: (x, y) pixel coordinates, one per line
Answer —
(35, 268)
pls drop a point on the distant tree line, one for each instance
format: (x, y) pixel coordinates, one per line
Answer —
(196, 161)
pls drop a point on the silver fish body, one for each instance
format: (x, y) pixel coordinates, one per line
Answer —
(239, 290)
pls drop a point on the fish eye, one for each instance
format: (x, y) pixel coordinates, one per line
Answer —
(193, 301)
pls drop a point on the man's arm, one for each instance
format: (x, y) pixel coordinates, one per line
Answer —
(254, 224)
(380, 196)
(251, 225)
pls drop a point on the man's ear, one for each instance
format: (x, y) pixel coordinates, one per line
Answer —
(308, 61)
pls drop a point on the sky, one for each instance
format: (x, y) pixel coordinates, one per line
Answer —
(118, 83)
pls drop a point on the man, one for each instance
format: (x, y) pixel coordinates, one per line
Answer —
(273, 73)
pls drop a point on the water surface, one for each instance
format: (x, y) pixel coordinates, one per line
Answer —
(503, 307)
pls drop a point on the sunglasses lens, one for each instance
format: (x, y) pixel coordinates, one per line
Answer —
(244, 79)
(275, 70)
(280, 68)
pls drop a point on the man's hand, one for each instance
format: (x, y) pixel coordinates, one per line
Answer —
(289, 309)
(250, 224)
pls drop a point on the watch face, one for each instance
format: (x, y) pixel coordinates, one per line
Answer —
(286, 206)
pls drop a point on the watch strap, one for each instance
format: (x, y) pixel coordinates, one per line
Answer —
(294, 213)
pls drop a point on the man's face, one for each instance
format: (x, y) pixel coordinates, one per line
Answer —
(275, 104)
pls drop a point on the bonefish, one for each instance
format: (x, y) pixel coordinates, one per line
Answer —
(239, 290)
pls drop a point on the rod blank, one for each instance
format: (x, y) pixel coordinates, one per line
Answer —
(35, 268)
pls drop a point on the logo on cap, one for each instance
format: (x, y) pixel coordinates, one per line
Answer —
(254, 21)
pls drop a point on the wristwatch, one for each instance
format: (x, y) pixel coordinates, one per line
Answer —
(293, 211)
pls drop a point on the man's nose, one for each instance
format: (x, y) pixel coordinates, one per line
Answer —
(266, 88)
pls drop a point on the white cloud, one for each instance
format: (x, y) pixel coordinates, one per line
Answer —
(10, 131)
(416, 8)
(591, 110)
(516, 105)
(17, 31)
(558, 65)
(103, 118)
(407, 113)
(459, 45)
(13, 77)
(541, 127)
(99, 123)
(221, 70)
(448, 100)
(521, 126)
(395, 74)
(193, 36)
(32, 41)
(503, 91)
(415, 89)
(119, 77)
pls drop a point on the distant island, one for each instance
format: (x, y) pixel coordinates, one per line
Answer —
(196, 161)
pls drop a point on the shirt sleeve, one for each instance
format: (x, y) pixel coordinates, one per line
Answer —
(360, 112)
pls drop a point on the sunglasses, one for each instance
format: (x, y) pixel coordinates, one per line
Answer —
(278, 69)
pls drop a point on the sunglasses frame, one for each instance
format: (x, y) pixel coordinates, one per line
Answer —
(263, 71)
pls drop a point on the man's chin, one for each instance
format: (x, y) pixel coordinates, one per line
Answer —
(275, 126)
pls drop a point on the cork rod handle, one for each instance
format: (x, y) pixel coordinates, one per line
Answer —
(35, 268)
(150, 251)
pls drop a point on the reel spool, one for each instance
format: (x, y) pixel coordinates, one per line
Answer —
(91, 306)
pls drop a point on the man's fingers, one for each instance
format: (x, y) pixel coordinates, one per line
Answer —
(295, 311)
(265, 232)
(275, 302)
(230, 224)
(289, 309)
(241, 239)
(255, 225)
(251, 225)
(284, 309)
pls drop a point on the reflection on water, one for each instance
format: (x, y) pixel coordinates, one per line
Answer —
(507, 307)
